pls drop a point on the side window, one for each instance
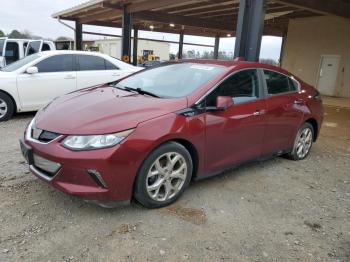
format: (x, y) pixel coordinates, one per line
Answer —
(276, 83)
(11, 52)
(58, 63)
(242, 87)
(91, 62)
(45, 47)
(293, 85)
(110, 66)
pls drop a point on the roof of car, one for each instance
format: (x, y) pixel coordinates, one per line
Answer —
(55, 52)
(234, 64)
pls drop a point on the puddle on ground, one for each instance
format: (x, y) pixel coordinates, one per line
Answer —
(193, 215)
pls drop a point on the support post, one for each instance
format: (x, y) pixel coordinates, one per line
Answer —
(78, 36)
(134, 49)
(283, 45)
(181, 44)
(126, 36)
(216, 47)
(250, 25)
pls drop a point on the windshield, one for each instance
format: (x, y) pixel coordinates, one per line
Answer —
(172, 80)
(18, 64)
(2, 42)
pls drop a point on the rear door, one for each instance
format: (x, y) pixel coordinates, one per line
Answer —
(56, 76)
(236, 134)
(95, 70)
(284, 111)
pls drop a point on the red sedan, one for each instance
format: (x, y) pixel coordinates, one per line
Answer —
(148, 135)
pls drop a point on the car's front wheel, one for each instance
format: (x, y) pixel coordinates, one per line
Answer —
(163, 176)
(6, 107)
(303, 142)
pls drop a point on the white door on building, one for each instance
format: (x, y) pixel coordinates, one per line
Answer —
(328, 73)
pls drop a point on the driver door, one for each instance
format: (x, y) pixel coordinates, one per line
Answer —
(236, 135)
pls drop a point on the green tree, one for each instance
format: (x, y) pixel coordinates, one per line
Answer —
(2, 34)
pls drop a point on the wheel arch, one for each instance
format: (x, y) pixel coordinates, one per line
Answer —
(313, 122)
(12, 99)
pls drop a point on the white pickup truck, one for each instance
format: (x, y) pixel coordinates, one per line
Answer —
(12, 50)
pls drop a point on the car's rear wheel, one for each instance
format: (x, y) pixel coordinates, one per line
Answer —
(6, 107)
(303, 142)
(163, 176)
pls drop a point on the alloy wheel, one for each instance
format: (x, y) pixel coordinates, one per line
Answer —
(304, 142)
(166, 177)
(3, 108)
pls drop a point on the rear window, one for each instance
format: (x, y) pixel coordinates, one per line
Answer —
(276, 83)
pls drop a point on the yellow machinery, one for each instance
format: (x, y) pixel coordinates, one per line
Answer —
(148, 55)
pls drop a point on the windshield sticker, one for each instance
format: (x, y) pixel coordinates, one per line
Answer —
(201, 67)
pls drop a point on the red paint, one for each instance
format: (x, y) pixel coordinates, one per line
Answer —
(221, 139)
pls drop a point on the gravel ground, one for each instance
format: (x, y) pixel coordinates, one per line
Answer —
(277, 210)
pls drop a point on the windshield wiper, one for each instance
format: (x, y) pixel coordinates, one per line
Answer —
(137, 90)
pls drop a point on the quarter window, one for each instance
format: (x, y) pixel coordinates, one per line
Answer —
(242, 87)
(276, 83)
(59, 63)
(110, 66)
(293, 85)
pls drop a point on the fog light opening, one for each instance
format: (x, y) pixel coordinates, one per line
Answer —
(96, 176)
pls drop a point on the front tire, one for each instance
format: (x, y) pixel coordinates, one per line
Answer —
(7, 107)
(303, 142)
(163, 176)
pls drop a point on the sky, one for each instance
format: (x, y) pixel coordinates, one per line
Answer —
(35, 16)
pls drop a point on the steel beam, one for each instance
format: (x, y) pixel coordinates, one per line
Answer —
(134, 49)
(78, 36)
(216, 47)
(249, 30)
(126, 36)
(181, 44)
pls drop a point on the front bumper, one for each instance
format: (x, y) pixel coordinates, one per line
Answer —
(100, 175)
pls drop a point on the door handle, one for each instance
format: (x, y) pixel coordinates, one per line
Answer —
(69, 77)
(259, 112)
(298, 102)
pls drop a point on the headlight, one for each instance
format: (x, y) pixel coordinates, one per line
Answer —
(90, 142)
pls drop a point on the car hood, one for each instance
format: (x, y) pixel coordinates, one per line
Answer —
(102, 110)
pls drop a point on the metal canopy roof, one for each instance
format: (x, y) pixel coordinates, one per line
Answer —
(198, 17)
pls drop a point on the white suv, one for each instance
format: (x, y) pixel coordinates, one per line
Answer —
(12, 50)
(32, 82)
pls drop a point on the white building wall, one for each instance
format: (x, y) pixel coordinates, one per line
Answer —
(112, 47)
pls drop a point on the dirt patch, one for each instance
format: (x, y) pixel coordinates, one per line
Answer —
(193, 215)
(313, 226)
(126, 228)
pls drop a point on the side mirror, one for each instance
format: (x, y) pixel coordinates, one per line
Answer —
(223, 102)
(32, 70)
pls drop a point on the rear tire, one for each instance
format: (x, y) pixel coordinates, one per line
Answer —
(7, 107)
(302, 143)
(163, 176)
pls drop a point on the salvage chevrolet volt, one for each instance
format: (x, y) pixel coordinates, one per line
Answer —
(147, 136)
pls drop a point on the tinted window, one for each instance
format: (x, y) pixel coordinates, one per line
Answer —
(173, 80)
(33, 47)
(276, 83)
(110, 66)
(242, 87)
(89, 62)
(45, 47)
(11, 52)
(59, 63)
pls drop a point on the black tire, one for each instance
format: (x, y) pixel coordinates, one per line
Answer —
(8, 105)
(294, 154)
(140, 189)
